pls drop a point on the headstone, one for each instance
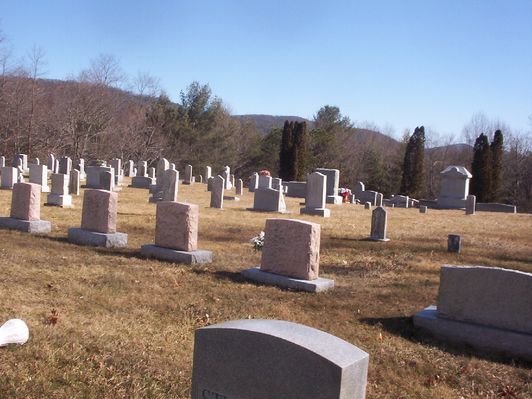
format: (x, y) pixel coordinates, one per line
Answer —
(333, 181)
(379, 199)
(315, 196)
(22, 160)
(269, 200)
(454, 243)
(151, 173)
(59, 195)
(207, 174)
(26, 210)
(98, 221)
(142, 169)
(226, 174)
(454, 187)
(130, 167)
(56, 166)
(80, 165)
(470, 205)
(39, 175)
(290, 256)
(116, 164)
(65, 165)
(94, 176)
(423, 209)
(296, 189)
(34, 161)
(176, 234)
(239, 190)
(367, 205)
(379, 221)
(188, 178)
(73, 184)
(170, 185)
(106, 180)
(51, 162)
(265, 182)
(209, 183)
(253, 182)
(9, 177)
(359, 188)
(275, 359)
(2, 162)
(200, 179)
(487, 308)
(217, 192)
(277, 183)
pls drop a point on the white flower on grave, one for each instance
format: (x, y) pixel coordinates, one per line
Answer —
(258, 241)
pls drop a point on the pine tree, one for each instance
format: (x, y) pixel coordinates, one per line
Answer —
(412, 179)
(497, 152)
(481, 170)
(285, 152)
(293, 152)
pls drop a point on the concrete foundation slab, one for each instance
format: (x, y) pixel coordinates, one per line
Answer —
(317, 285)
(187, 257)
(95, 239)
(504, 342)
(26, 226)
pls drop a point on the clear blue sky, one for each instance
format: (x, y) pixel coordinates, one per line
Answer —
(403, 62)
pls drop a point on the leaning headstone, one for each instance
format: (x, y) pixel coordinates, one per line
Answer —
(207, 175)
(333, 182)
(217, 192)
(454, 243)
(470, 205)
(290, 256)
(59, 195)
(176, 234)
(98, 221)
(379, 222)
(39, 175)
(65, 165)
(423, 209)
(73, 184)
(275, 359)
(26, 210)
(170, 185)
(487, 308)
(188, 178)
(9, 177)
(315, 196)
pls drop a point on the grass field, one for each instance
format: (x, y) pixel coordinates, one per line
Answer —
(105, 323)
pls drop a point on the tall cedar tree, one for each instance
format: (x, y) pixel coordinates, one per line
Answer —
(412, 179)
(497, 150)
(293, 151)
(481, 170)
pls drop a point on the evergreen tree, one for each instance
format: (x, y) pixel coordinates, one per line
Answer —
(285, 152)
(481, 170)
(293, 151)
(412, 179)
(497, 151)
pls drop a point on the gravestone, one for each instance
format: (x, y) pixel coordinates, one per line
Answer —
(315, 195)
(34, 161)
(367, 205)
(379, 221)
(266, 199)
(65, 165)
(207, 174)
(454, 187)
(56, 166)
(80, 165)
(290, 256)
(487, 308)
(200, 179)
(454, 243)
(39, 175)
(189, 178)
(9, 177)
(170, 185)
(253, 182)
(176, 234)
(141, 178)
(277, 183)
(98, 221)
(423, 209)
(26, 210)
(59, 195)
(106, 180)
(379, 199)
(217, 192)
(333, 181)
(2, 162)
(470, 204)
(130, 168)
(226, 174)
(209, 183)
(239, 190)
(162, 166)
(94, 176)
(73, 184)
(275, 359)
(151, 173)
(51, 162)
(116, 164)
(142, 169)
(22, 160)
(265, 182)
(296, 189)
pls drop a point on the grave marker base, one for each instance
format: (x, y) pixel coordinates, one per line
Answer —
(324, 212)
(64, 201)
(334, 199)
(318, 285)
(480, 337)
(26, 226)
(187, 257)
(95, 239)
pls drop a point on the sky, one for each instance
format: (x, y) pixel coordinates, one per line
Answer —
(396, 63)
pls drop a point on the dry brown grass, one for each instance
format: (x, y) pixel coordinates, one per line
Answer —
(125, 325)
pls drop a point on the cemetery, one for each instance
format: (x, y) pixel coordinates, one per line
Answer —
(151, 288)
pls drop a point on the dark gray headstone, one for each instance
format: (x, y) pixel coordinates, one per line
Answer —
(454, 243)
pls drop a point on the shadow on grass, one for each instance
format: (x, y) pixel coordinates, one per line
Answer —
(225, 275)
(404, 327)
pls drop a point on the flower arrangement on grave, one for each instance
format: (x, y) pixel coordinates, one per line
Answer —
(345, 193)
(100, 162)
(258, 241)
(265, 172)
